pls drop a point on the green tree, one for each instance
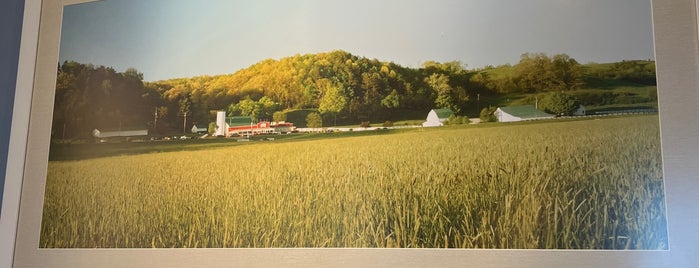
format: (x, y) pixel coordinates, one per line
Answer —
(333, 101)
(89, 97)
(370, 100)
(184, 104)
(212, 128)
(246, 107)
(233, 109)
(642, 72)
(440, 85)
(452, 67)
(534, 71)
(560, 103)
(160, 113)
(488, 114)
(457, 120)
(567, 73)
(314, 120)
(267, 107)
(279, 116)
(391, 101)
(538, 72)
(453, 120)
(68, 103)
(133, 73)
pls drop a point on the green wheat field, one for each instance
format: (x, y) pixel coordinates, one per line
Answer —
(587, 184)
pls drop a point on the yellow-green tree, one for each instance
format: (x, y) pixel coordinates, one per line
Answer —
(333, 102)
(314, 120)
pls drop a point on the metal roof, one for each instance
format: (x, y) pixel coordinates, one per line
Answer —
(239, 121)
(525, 112)
(443, 113)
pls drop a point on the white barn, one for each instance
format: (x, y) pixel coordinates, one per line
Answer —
(520, 113)
(122, 133)
(437, 117)
(196, 129)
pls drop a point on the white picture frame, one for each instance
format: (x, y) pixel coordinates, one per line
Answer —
(677, 58)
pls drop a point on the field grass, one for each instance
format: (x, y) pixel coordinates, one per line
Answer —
(593, 184)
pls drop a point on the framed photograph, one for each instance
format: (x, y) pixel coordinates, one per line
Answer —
(201, 150)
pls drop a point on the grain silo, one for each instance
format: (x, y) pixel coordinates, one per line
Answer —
(221, 127)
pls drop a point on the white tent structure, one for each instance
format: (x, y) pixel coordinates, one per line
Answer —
(196, 129)
(520, 113)
(121, 133)
(437, 117)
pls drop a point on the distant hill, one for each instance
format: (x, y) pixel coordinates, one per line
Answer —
(341, 86)
(604, 86)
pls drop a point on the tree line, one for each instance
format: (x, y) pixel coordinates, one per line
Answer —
(337, 84)
(89, 97)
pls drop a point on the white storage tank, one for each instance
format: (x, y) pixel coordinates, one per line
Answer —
(221, 123)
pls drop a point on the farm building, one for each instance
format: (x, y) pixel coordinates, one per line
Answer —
(196, 129)
(520, 113)
(243, 125)
(580, 110)
(283, 127)
(119, 133)
(437, 117)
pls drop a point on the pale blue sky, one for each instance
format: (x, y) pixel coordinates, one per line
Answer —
(183, 38)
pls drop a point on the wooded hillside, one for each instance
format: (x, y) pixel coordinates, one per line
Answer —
(337, 84)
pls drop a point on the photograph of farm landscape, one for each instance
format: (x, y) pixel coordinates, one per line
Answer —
(356, 124)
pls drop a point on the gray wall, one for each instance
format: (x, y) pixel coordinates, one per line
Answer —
(11, 13)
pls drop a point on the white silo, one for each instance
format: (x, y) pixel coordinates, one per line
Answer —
(221, 128)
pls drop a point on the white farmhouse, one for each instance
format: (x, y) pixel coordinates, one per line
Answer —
(437, 117)
(520, 113)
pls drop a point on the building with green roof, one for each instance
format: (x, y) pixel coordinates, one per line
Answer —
(237, 121)
(224, 123)
(437, 117)
(520, 113)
